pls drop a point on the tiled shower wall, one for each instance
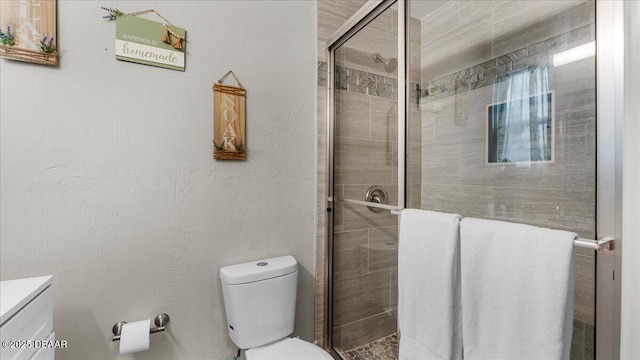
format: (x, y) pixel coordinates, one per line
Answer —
(365, 242)
(510, 39)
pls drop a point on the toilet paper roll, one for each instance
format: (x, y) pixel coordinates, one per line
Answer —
(134, 337)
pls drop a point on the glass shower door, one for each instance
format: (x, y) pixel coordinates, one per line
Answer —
(500, 124)
(507, 111)
(365, 188)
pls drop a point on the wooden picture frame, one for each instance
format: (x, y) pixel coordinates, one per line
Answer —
(30, 21)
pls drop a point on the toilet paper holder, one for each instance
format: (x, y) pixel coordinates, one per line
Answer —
(161, 322)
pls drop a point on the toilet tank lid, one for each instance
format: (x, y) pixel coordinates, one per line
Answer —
(258, 270)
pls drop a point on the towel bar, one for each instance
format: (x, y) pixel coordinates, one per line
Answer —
(604, 244)
(371, 204)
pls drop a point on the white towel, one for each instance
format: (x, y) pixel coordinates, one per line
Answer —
(429, 286)
(517, 291)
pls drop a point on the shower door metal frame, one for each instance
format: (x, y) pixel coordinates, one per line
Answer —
(609, 125)
(367, 13)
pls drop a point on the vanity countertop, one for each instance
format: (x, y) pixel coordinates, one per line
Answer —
(15, 294)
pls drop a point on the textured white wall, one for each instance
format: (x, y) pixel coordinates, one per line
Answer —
(630, 319)
(107, 180)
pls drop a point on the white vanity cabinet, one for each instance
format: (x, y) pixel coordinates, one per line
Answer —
(26, 318)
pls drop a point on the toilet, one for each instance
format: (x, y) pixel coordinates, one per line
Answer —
(260, 302)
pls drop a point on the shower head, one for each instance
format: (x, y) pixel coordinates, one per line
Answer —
(390, 64)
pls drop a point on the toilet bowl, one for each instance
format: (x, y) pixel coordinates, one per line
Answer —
(260, 303)
(288, 349)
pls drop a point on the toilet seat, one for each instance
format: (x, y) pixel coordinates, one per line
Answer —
(288, 349)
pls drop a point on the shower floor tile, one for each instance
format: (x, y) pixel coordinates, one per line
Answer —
(385, 348)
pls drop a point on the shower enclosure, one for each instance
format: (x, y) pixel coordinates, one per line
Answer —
(482, 108)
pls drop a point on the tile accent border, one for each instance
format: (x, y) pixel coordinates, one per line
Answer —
(364, 82)
(496, 70)
(501, 68)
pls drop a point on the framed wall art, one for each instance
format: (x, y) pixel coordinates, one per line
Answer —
(28, 31)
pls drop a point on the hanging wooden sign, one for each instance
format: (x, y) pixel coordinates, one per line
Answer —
(228, 120)
(28, 31)
(148, 42)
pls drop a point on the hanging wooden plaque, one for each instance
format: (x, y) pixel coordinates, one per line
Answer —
(29, 31)
(228, 122)
(139, 41)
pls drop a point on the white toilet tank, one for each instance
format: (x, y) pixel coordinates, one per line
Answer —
(260, 300)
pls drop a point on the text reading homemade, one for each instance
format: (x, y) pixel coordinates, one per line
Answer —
(138, 41)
